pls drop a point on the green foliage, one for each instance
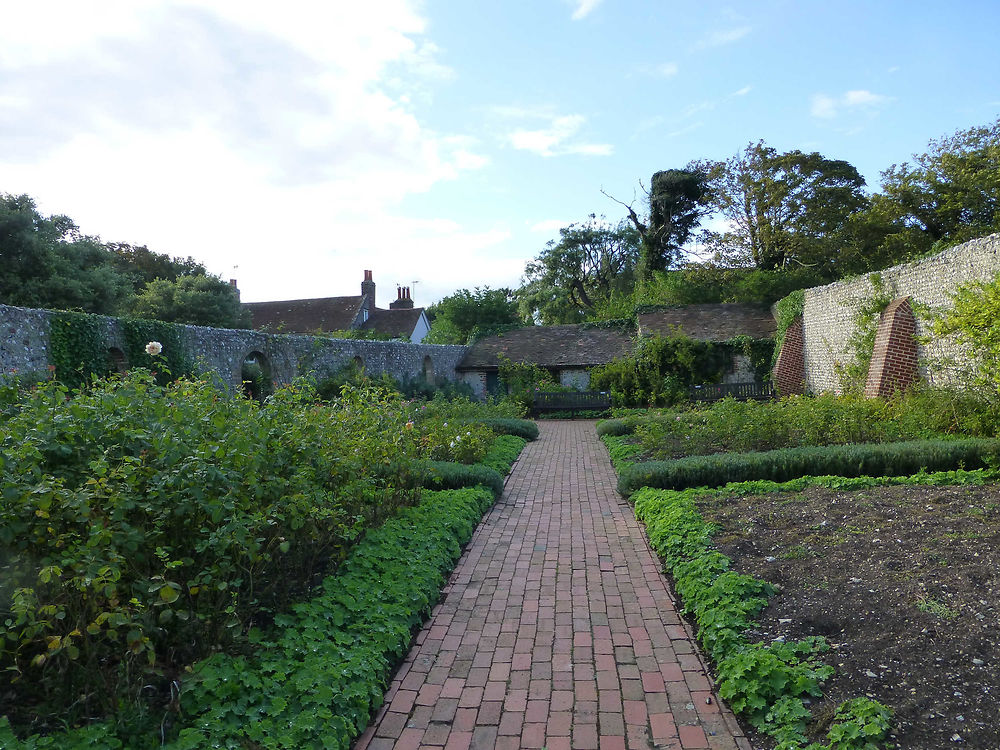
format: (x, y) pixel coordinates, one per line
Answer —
(357, 334)
(568, 279)
(765, 683)
(973, 319)
(787, 310)
(784, 208)
(523, 428)
(661, 370)
(196, 300)
(781, 465)
(143, 526)
(621, 452)
(77, 348)
(948, 195)
(173, 361)
(861, 344)
(503, 453)
(730, 425)
(454, 318)
(523, 379)
(319, 678)
(860, 724)
(445, 475)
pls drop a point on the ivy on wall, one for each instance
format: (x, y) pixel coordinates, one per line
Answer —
(787, 311)
(139, 332)
(77, 348)
(861, 345)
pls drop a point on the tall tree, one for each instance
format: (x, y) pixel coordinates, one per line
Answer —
(949, 194)
(46, 262)
(454, 318)
(143, 265)
(677, 203)
(783, 208)
(569, 278)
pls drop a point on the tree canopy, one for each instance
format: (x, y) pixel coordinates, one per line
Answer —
(571, 278)
(454, 318)
(47, 262)
(783, 209)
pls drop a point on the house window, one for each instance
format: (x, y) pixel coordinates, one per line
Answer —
(364, 314)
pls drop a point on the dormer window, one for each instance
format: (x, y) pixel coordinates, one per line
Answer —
(364, 314)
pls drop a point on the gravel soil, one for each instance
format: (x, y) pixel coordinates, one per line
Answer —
(904, 583)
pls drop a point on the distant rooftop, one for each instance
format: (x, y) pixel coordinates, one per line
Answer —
(715, 322)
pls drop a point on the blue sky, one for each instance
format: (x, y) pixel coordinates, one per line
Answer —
(442, 143)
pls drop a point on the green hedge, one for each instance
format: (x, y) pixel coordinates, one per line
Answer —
(885, 459)
(446, 475)
(315, 681)
(523, 428)
(503, 453)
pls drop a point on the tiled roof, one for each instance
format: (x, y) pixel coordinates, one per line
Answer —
(562, 346)
(306, 315)
(396, 323)
(719, 322)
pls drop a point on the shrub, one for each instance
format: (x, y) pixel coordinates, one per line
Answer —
(142, 526)
(444, 475)
(523, 428)
(781, 465)
(503, 453)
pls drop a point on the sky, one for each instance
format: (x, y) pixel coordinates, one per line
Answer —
(442, 143)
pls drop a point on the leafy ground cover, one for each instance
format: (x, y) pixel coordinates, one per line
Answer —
(902, 581)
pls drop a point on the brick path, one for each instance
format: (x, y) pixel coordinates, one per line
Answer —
(557, 629)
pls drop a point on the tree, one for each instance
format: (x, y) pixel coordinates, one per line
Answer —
(46, 262)
(569, 278)
(455, 316)
(143, 265)
(948, 195)
(783, 209)
(677, 203)
(199, 300)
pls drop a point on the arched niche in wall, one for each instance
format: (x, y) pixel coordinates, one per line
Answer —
(428, 369)
(255, 375)
(117, 362)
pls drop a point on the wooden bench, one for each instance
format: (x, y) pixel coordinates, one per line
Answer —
(571, 401)
(739, 391)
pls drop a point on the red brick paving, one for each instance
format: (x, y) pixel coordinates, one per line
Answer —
(557, 629)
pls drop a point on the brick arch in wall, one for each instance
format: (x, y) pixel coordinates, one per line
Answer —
(789, 374)
(894, 360)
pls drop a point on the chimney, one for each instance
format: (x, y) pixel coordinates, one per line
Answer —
(403, 301)
(368, 291)
(232, 283)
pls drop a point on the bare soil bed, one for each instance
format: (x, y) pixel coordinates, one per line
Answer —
(904, 583)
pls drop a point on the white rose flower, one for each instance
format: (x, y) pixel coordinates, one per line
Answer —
(153, 348)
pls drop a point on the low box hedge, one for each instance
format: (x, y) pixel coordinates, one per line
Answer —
(880, 459)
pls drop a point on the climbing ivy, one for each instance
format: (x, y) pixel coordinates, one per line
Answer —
(861, 344)
(172, 362)
(76, 347)
(787, 310)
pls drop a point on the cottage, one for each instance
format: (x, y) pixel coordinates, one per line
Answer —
(567, 351)
(401, 321)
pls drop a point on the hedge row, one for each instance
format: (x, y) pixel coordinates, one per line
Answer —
(769, 684)
(886, 459)
(523, 428)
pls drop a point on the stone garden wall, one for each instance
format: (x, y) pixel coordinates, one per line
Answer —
(829, 313)
(24, 347)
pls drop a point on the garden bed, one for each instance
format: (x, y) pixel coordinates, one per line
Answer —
(904, 583)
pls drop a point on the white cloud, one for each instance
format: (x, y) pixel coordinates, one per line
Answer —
(743, 91)
(828, 107)
(279, 142)
(665, 70)
(584, 8)
(722, 37)
(556, 138)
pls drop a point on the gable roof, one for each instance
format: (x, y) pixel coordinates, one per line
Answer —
(398, 323)
(716, 322)
(306, 315)
(563, 346)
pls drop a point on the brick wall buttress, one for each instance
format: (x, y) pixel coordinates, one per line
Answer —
(894, 360)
